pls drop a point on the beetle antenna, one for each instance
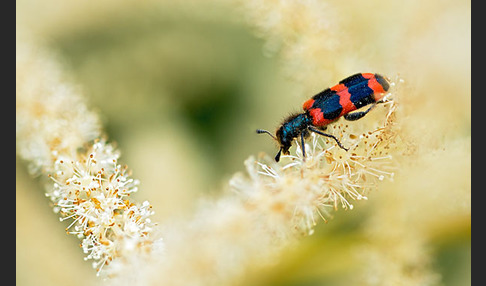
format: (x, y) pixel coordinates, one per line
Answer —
(260, 131)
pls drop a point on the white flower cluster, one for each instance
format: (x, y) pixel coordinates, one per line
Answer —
(303, 189)
(272, 205)
(52, 117)
(93, 192)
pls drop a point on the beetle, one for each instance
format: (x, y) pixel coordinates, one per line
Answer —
(329, 105)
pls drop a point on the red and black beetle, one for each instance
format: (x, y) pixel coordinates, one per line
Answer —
(328, 106)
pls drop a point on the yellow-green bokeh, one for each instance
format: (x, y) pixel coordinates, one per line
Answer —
(181, 88)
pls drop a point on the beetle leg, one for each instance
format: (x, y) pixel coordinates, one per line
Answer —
(277, 157)
(303, 144)
(328, 135)
(357, 115)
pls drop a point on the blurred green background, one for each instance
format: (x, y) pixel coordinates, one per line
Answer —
(181, 89)
(201, 83)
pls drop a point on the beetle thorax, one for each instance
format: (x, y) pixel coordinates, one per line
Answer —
(292, 127)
